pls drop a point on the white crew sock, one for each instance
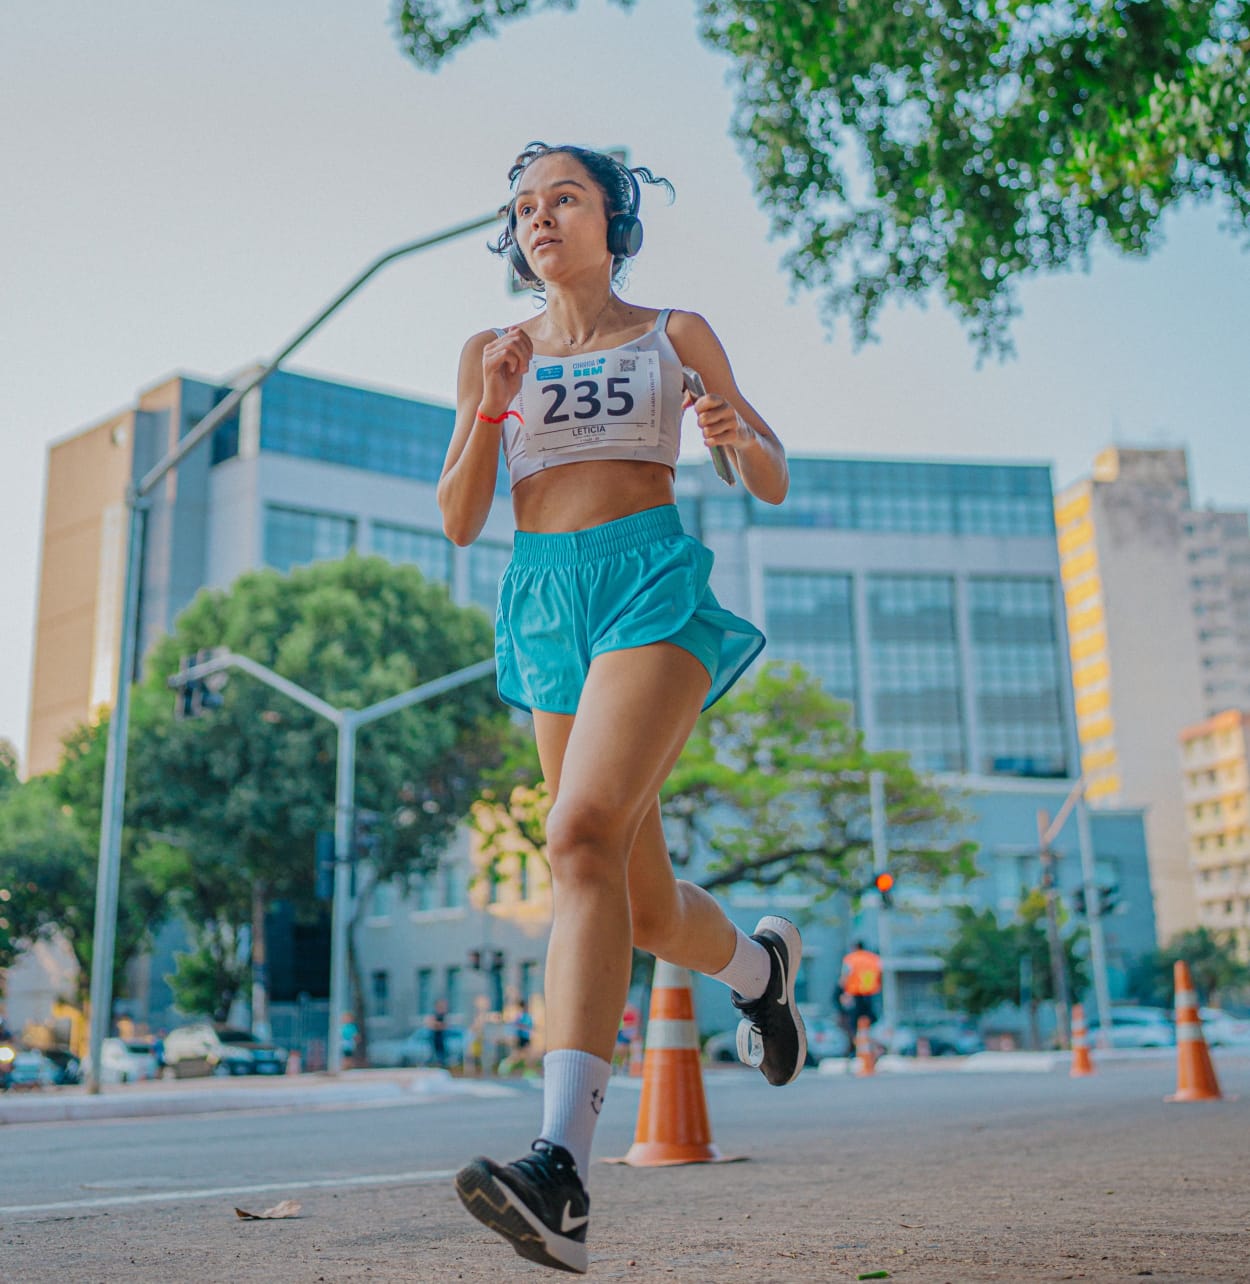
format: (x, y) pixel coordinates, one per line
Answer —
(748, 971)
(574, 1084)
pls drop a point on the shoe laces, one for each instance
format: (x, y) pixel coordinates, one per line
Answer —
(760, 1012)
(543, 1168)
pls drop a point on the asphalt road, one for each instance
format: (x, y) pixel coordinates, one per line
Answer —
(945, 1176)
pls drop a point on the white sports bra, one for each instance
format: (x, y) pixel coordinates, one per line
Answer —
(617, 403)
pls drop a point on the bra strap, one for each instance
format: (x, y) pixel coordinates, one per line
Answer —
(661, 322)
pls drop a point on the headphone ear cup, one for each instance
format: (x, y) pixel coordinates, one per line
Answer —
(624, 235)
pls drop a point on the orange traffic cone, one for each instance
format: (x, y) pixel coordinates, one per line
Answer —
(865, 1057)
(635, 1057)
(672, 1125)
(1081, 1062)
(1195, 1075)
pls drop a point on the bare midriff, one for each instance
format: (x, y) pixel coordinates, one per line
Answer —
(573, 497)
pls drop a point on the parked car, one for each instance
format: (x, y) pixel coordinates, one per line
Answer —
(1224, 1030)
(1137, 1027)
(193, 1050)
(267, 1058)
(944, 1034)
(126, 1061)
(31, 1069)
(416, 1048)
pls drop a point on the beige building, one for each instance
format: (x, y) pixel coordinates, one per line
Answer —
(1217, 553)
(1136, 664)
(78, 619)
(1216, 766)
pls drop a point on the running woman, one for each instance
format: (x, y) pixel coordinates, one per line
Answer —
(608, 634)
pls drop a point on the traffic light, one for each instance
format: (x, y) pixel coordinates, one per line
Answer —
(884, 884)
(194, 696)
(475, 960)
(1108, 899)
(1078, 901)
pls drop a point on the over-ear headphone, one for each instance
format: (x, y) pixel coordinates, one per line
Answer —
(624, 232)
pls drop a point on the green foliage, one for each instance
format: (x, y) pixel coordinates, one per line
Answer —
(1213, 964)
(8, 767)
(206, 981)
(982, 961)
(958, 146)
(772, 785)
(48, 880)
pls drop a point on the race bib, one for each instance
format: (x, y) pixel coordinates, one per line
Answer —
(600, 399)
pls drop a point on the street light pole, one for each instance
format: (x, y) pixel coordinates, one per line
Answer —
(346, 722)
(114, 799)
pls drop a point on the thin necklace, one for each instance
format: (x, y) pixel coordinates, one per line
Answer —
(594, 329)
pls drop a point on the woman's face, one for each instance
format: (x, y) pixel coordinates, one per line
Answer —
(561, 218)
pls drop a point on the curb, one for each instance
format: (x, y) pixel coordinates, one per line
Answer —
(139, 1101)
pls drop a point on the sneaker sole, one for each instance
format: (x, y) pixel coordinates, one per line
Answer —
(794, 956)
(499, 1209)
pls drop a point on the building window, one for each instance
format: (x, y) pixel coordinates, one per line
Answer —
(430, 553)
(527, 979)
(453, 989)
(915, 669)
(523, 875)
(453, 886)
(487, 561)
(296, 537)
(425, 991)
(380, 992)
(1019, 682)
(809, 620)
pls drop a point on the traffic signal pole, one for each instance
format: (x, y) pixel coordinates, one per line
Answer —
(108, 870)
(346, 722)
(880, 863)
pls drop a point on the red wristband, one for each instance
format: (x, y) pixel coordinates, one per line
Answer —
(486, 419)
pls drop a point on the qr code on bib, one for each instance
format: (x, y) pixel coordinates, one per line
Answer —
(628, 365)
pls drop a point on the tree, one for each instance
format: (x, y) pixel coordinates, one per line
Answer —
(958, 145)
(47, 882)
(987, 963)
(771, 787)
(246, 789)
(1213, 964)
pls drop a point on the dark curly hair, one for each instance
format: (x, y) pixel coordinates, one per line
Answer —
(611, 176)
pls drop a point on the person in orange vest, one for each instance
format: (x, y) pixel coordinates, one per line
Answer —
(860, 985)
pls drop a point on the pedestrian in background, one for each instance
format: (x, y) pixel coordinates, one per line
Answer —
(859, 986)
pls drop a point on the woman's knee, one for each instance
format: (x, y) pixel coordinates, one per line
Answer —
(587, 844)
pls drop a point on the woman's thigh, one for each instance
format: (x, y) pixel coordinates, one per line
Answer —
(636, 712)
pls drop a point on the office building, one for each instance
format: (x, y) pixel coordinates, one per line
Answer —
(1216, 785)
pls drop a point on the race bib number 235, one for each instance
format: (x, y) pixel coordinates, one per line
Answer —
(599, 399)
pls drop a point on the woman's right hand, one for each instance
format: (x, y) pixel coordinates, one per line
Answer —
(505, 360)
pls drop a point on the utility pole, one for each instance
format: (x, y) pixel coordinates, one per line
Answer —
(1058, 971)
(114, 802)
(880, 863)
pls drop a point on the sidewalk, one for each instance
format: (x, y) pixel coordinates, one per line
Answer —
(255, 1092)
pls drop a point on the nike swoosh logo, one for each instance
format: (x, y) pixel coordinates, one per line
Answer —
(568, 1223)
(784, 999)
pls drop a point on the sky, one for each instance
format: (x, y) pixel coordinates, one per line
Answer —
(186, 185)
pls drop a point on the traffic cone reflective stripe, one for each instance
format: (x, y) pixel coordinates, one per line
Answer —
(1195, 1075)
(673, 1125)
(1081, 1062)
(865, 1058)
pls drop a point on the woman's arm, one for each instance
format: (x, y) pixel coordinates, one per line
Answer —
(491, 370)
(725, 416)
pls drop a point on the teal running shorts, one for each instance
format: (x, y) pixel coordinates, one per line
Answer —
(568, 597)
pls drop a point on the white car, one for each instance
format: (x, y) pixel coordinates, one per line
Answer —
(1138, 1027)
(126, 1061)
(1223, 1030)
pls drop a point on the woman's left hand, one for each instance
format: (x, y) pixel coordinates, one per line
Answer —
(720, 423)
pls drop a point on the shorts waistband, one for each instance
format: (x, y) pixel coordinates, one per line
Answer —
(570, 548)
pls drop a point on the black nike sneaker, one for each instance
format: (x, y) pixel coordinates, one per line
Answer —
(538, 1204)
(771, 1034)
